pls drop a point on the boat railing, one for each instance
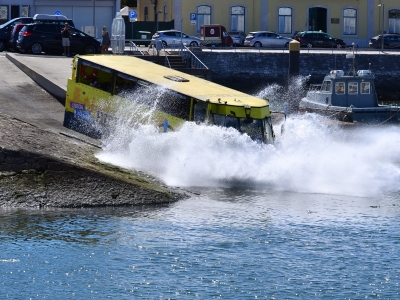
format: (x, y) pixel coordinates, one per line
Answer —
(315, 87)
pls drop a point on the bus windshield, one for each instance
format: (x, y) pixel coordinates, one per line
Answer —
(256, 129)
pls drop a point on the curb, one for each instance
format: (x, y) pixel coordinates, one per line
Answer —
(55, 90)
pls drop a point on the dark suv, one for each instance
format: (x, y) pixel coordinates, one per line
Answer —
(311, 39)
(390, 40)
(46, 37)
(7, 28)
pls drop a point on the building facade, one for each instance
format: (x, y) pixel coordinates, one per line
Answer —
(354, 21)
(92, 14)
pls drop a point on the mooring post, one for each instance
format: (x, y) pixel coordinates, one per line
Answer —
(294, 58)
(294, 71)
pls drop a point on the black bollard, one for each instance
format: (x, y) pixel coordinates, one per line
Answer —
(294, 58)
(294, 71)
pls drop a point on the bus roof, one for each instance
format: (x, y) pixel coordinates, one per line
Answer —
(180, 82)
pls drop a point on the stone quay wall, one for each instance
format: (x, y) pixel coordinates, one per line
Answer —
(249, 71)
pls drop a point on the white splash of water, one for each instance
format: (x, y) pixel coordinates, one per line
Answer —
(311, 157)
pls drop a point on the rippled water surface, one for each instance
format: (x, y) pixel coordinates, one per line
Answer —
(224, 244)
(316, 216)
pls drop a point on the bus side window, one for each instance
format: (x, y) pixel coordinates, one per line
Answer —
(174, 105)
(199, 112)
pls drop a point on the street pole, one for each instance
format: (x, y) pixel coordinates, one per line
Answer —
(157, 17)
(383, 22)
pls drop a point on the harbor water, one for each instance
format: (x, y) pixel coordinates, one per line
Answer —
(315, 216)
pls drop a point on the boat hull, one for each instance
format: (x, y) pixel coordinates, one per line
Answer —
(370, 115)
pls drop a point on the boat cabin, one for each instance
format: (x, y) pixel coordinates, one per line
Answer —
(338, 89)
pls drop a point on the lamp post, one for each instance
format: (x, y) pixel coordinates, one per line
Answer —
(383, 17)
(159, 12)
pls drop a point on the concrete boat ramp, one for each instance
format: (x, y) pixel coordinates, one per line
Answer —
(42, 163)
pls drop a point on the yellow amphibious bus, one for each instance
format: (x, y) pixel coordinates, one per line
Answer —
(101, 89)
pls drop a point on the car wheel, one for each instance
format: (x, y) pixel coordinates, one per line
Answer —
(164, 44)
(90, 49)
(338, 46)
(2, 46)
(386, 45)
(257, 45)
(36, 48)
(309, 45)
(286, 45)
(194, 44)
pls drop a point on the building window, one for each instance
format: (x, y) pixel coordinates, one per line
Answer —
(3, 12)
(394, 21)
(165, 13)
(25, 11)
(349, 21)
(146, 13)
(237, 18)
(285, 20)
(203, 16)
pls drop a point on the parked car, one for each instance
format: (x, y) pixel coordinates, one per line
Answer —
(46, 37)
(12, 44)
(311, 39)
(174, 37)
(6, 30)
(266, 39)
(296, 34)
(238, 37)
(390, 40)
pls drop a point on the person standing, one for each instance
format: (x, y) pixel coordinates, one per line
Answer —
(105, 41)
(66, 34)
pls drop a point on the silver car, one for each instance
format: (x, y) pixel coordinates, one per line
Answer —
(174, 37)
(266, 39)
(237, 37)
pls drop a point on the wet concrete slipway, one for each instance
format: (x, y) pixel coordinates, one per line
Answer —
(42, 163)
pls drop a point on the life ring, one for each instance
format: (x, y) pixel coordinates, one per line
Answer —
(86, 76)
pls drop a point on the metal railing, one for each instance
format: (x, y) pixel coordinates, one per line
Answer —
(191, 59)
(133, 47)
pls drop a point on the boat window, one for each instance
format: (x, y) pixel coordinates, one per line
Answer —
(326, 86)
(365, 87)
(353, 88)
(339, 87)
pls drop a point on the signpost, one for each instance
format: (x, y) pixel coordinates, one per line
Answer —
(193, 19)
(132, 16)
